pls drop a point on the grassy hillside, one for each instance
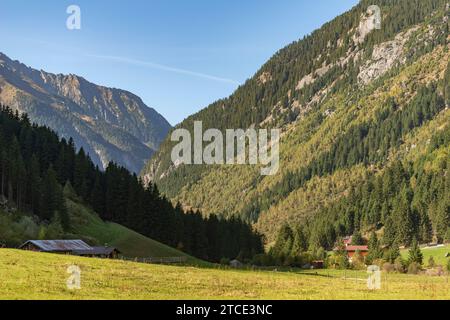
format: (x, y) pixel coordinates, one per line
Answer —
(131, 244)
(437, 253)
(28, 275)
(87, 225)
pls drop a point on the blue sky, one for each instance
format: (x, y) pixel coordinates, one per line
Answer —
(177, 55)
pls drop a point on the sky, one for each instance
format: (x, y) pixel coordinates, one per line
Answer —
(177, 55)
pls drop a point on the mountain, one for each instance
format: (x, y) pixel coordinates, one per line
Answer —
(110, 124)
(365, 134)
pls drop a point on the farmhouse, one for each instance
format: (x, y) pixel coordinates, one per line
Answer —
(74, 247)
(351, 250)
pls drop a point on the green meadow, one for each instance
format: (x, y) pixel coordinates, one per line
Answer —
(29, 275)
(438, 254)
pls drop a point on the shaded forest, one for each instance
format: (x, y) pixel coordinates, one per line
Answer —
(35, 165)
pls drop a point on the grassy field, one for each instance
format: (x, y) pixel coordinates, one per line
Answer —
(438, 254)
(28, 275)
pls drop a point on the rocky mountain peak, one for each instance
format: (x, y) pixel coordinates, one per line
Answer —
(111, 124)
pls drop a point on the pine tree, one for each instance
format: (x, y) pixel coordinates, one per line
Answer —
(415, 254)
(284, 241)
(300, 243)
(375, 251)
(425, 228)
(61, 209)
(34, 184)
(341, 254)
(392, 253)
(389, 235)
(48, 200)
(16, 170)
(357, 239)
(442, 215)
(402, 216)
(80, 174)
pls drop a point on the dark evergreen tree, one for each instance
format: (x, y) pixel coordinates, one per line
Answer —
(415, 254)
(375, 251)
(357, 239)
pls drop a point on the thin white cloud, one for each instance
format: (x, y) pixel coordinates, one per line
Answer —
(162, 67)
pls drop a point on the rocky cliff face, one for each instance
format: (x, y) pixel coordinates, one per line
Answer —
(110, 124)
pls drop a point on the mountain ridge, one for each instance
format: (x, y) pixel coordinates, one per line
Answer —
(110, 124)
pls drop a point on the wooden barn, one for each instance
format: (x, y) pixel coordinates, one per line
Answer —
(73, 247)
(99, 252)
(55, 246)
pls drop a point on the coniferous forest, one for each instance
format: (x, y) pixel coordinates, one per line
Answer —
(35, 165)
(407, 200)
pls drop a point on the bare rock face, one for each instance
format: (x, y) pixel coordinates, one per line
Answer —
(110, 124)
(306, 80)
(264, 78)
(367, 24)
(384, 56)
(312, 77)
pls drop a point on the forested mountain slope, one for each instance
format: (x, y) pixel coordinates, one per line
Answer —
(365, 143)
(110, 124)
(37, 167)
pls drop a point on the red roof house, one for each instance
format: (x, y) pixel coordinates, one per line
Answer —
(351, 250)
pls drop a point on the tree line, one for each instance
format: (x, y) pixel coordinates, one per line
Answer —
(35, 165)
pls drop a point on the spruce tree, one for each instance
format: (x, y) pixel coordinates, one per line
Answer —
(34, 184)
(300, 243)
(415, 254)
(357, 239)
(49, 196)
(402, 216)
(392, 253)
(374, 249)
(284, 241)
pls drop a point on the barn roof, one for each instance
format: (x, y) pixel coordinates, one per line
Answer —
(59, 245)
(96, 251)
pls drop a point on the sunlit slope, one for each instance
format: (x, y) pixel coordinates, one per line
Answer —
(130, 243)
(228, 190)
